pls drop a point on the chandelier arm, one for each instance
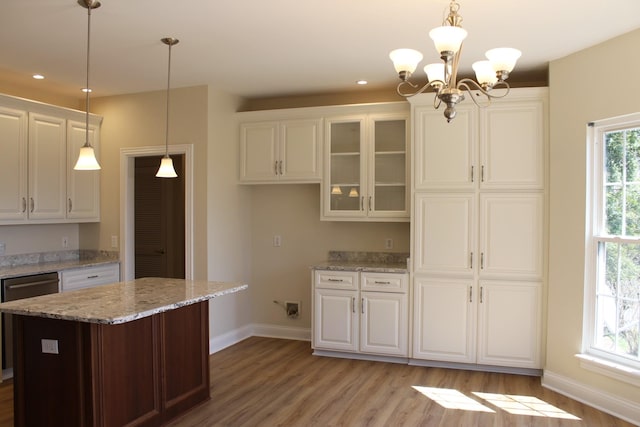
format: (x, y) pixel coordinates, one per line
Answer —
(464, 85)
(409, 94)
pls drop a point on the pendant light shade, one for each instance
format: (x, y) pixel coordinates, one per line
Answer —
(166, 169)
(87, 157)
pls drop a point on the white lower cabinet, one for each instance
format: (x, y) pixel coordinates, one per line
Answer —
(87, 277)
(361, 312)
(494, 323)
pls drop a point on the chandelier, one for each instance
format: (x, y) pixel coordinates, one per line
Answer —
(443, 77)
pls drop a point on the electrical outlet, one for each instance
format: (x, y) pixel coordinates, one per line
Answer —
(49, 346)
(388, 243)
(65, 242)
(277, 241)
(114, 241)
(292, 308)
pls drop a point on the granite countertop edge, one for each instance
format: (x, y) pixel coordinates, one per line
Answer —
(361, 266)
(113, 304)
(53, 266)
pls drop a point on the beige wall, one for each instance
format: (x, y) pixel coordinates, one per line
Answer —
(138, 120)
(576, 98)
(282, 273)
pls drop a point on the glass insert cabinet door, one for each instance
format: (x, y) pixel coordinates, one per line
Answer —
(346, 174)
(390, 171)
(366, 168)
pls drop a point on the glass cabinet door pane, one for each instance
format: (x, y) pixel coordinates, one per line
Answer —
(390, 165)
(345, 166)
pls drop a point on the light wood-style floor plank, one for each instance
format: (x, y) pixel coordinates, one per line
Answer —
(273, 382)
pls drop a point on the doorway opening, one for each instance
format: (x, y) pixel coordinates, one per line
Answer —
(159, 219)
(128, 158)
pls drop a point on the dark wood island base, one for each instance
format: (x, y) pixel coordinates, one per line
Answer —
(139, 373)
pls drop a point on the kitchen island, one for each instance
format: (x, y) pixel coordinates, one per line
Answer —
(128, 353)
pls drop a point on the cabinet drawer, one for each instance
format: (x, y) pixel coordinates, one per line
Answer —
(90, 276)
(331, 279)
(385, 282)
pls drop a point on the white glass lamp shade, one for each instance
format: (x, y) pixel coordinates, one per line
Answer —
(87, 160)
(353, 192)
(503, 58)
(405, 59)
(448, 38)
(166, 169)
(336, 189)
(485, 74)
(434, 71)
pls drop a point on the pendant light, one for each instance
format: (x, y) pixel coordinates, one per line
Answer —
(87, 157)
(166, 169)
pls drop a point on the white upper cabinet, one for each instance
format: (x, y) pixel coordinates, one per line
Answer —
(83, 187)
(281, 151)
(445, 153)
(47, 167)
(40, 144)
(366, 168)
(498, 147)
(13, 164)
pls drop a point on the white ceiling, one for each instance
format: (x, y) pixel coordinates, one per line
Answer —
(262, 48)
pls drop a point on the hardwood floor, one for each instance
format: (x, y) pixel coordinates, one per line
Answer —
(271, 382)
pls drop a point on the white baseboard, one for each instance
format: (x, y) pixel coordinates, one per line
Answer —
(285, 332)
(605, 402)
(230, 338)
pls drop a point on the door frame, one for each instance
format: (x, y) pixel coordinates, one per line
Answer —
(127, 205)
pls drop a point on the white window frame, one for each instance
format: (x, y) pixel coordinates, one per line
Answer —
(592, 358)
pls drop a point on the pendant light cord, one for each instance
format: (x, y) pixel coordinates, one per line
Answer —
(166, 144)
(87, 87)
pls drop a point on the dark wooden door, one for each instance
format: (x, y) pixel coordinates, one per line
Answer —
(159, 220)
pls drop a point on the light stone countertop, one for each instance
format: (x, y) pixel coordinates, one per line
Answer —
(375, 267)
(121, 302)
(52, 266)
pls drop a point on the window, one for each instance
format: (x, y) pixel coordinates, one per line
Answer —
(613, 287)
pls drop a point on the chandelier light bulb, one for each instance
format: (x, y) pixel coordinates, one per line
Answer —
(448, 38)
(485, 74)
(503, 58)
(405, 60)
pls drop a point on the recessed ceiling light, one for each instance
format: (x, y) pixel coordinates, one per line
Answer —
(362, 82)
(38, 76)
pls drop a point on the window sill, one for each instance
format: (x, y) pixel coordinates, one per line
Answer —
(611, 369)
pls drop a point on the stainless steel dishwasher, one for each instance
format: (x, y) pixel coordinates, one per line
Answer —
(19, 288)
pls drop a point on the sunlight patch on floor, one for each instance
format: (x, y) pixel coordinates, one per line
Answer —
(525, 405)
(452, 399)
(513, 404)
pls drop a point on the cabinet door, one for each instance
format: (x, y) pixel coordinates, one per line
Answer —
(387, 194)
(47, 167)
(13, 164)
(511, 235)
(83, 187)
(444, 153)
(300, 151)
(444, 233)
(509, 324)
(444, 320)
(335, 320)
(384, 323)
(258, 151)
(512, 145)
(345, 168)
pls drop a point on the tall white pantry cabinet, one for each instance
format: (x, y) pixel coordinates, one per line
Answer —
(479, 231)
